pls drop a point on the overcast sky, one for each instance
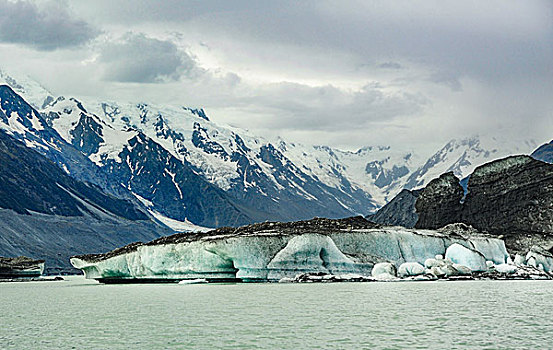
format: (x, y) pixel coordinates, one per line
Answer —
(412, 74)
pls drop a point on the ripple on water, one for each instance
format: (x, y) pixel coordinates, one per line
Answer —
(457, 315)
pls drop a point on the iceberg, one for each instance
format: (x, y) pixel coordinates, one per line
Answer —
(410, 269)
(441, 267)
(506, 268)
(384, 271)
(520, 259)
(194, 281)
(280, 251)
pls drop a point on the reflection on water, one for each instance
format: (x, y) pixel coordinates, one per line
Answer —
(83, 314)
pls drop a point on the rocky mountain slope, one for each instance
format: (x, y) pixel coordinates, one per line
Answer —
(141, 144)
(211, 205)
(400, 211)
(46, 214)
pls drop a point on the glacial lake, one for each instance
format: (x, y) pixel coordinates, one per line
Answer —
(82, 314)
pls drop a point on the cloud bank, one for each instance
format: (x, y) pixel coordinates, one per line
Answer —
(45, 26)
(349, 75)
(137, 58)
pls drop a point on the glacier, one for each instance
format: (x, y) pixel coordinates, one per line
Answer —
(274, 251)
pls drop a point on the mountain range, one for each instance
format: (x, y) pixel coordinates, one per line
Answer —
(263, 179)
(175, 169)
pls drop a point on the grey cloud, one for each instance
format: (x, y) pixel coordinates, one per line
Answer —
(390, 65)
(493, 40)
(140, 59)
(300, 107)
(447, 79)
(130, 12)
(477, 65)
(47, 26)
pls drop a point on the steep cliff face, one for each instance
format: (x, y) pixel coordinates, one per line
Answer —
(439, 203)
(513, 195)
(510, 197)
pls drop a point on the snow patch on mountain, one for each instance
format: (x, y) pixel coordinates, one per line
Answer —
(179, 226)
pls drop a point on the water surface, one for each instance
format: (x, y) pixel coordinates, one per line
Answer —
(81, 314)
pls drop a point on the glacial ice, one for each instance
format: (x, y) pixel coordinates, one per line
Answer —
(492, 249)
(538, 257)
(462, 255)
(312, 253)
(520, 259)
(272, 256)
(193, 281)
(410, 269)
(384, 271)
(441, 267)
(506, 268)
(430, 262)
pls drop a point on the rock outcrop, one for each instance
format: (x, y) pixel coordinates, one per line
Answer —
(512, 197)
(440, 202)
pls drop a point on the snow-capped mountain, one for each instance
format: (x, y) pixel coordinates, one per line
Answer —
(463, 156)
(160, 152)
(378, 170)
(187, 168)
(24, 123)
(47, 214)
(21, 121)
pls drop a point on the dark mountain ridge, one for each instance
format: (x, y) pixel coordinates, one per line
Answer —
(511, 197)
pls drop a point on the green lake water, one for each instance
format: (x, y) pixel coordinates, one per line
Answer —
(82, 314)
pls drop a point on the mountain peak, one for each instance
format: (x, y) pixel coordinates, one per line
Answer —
(32, 91)
(200, 113)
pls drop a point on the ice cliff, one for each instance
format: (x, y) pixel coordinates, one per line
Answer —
(272, 251)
